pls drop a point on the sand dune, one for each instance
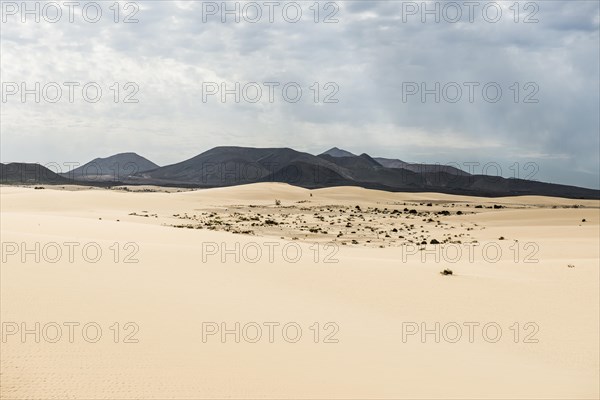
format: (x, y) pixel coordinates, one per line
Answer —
(360, 300)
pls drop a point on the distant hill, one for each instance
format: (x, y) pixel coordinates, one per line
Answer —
(420, 168)
(395, 163)
(114, 168)
(29, 174)
(336, 152)
(392, 163)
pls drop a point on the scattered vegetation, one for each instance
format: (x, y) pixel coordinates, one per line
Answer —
(347, 224)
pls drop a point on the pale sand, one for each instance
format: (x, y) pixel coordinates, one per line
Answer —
(369, 293)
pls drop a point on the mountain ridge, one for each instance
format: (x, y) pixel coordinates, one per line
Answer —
(112, 168)
(235, 165)
(337, 152)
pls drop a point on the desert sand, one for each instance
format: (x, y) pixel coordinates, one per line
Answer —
(132, 289)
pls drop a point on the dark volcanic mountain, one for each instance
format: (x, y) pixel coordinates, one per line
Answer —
(113, 168)
(395, 163)
(227, 166)
(365, 171)
(336, 152)
(29, 174)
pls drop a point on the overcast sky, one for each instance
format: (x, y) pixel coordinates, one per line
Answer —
(361, 68)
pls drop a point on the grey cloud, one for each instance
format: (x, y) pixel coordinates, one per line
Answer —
(369, 54)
